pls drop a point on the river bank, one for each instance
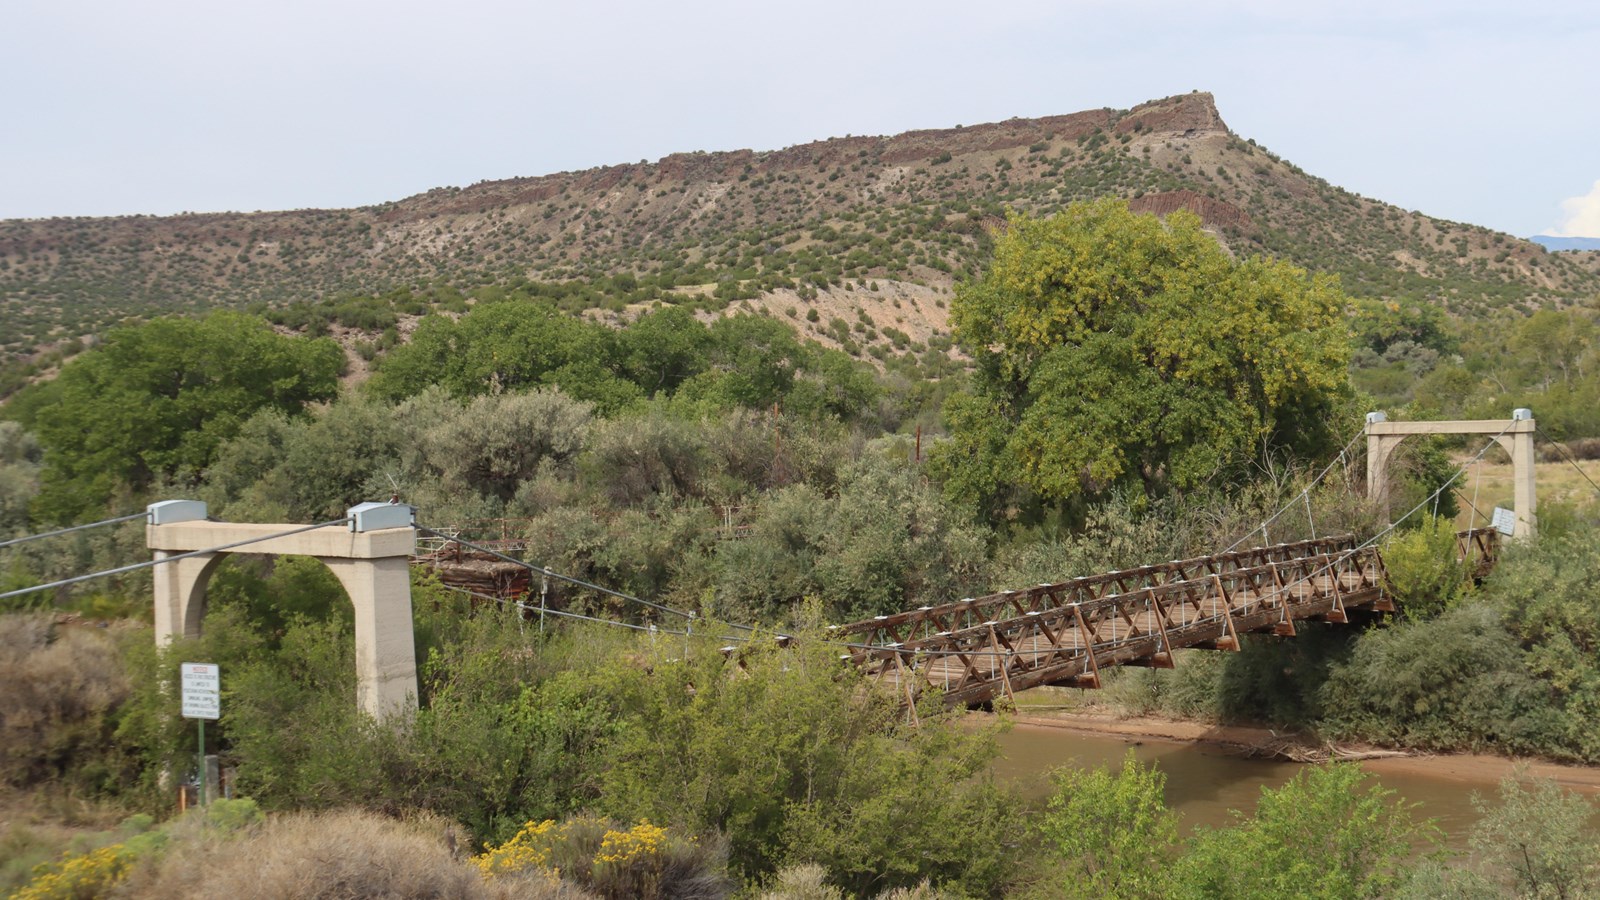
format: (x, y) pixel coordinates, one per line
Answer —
(1247, 741)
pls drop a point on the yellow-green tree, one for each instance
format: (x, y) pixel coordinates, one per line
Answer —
(1114, 348)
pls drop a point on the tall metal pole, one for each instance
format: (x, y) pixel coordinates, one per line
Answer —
(200, 758)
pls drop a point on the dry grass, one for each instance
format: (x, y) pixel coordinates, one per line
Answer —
(923, 891)
(341, 855)
(1489, 484)
(38, 826)
(808, 881)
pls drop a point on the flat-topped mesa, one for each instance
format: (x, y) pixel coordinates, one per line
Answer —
(683, 215)
(1186, 115)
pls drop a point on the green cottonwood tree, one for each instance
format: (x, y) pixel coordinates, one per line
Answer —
(1114, 348)
(1555, 342)
(506, 347)
(160, 398)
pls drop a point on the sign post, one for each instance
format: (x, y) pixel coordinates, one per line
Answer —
(202, 700)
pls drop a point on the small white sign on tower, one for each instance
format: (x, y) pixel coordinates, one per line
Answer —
(1505, 521)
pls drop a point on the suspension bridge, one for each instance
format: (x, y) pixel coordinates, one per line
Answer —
(971, 651)
(1067, 633)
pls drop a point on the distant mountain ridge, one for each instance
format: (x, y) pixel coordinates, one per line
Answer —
(1551, 242)
(856, 218)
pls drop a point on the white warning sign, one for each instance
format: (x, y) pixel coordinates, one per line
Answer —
(202, 690)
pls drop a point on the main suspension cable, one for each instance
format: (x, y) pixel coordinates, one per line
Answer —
(1569, 458)
(60, 531)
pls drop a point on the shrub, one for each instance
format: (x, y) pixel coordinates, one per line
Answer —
(1538, 840)
(644, 861)
(62, 689)
(19, 476)
(1455, 681)
(497, 442)
(639, 457)
(1328, 833)
(1422, 571)
(1581, 448)
(1112, 831)
(88, 875)
(743, 448)
(305, 467)
(796, 759)
(1547, 595)
(807, 881)
(885, 542)
(893, 542)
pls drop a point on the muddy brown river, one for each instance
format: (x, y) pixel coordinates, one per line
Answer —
(1204, 782)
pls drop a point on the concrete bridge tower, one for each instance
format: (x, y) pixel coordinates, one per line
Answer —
(1516, 436)
(369, 555)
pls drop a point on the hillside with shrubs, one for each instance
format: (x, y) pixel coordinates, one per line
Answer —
(851, 221)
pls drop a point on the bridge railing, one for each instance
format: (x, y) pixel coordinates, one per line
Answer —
(429, 544)
(931, 620)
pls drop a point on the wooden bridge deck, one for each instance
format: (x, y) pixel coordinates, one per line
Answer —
(1065, 633)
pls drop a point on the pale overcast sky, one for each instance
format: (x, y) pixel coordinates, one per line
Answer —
(1484, 112)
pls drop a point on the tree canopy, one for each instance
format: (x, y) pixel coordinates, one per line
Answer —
(1112, 348)
(509, 346)
(159, 399)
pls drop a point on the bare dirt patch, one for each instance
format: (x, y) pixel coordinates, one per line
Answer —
(920, 311)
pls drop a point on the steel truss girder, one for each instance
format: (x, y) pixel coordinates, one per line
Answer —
(1071, 642)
